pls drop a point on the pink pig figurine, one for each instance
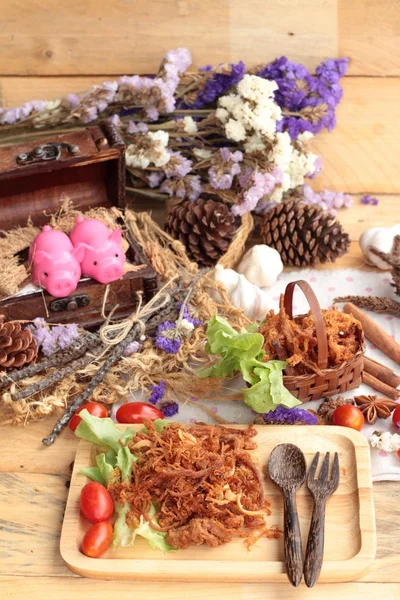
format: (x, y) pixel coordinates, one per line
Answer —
(55, 262)
(104, 257)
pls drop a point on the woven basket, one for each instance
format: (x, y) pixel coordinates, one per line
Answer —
(336, 380)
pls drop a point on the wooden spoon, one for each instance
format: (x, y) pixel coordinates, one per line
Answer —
(287, 469)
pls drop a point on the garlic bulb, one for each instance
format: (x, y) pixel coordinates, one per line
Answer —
(380, 238)
(254, 302)
(226, 276)
(261, 265)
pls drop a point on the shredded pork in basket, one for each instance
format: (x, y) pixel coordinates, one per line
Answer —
(203, 482)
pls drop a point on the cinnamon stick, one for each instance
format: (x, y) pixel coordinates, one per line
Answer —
(380, 387)
(381, 372)
(375, 333)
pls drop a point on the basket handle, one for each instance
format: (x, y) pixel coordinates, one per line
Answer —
(316, 313)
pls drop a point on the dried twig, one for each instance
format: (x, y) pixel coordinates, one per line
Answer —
(58, 375)
(378, 304)
(88, 342)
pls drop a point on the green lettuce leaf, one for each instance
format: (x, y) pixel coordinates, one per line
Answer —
(159, 425)
(156, 539)
(94, 474)
(102, 432)
(243, 353)
(122, 533)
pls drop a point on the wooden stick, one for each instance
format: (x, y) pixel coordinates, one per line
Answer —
(380, 387)
(88, 342)
(375, 333)
(381, 372)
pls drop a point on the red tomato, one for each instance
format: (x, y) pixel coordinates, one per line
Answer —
(96, 502)
(348, 416)
(137, 412)
(94, 408)
(398, 452)
(396, 416)
(97, 539)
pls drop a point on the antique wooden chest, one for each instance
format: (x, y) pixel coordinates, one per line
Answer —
(88, 167)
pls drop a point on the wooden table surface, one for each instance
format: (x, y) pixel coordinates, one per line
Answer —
(33, 492)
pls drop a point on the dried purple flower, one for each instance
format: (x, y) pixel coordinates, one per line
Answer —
(157, 392)
(178, 165)
(312, 97)
(262, 185)
(289, 416)
(51, 340)
(139, 127)
(218, 81)
(369, 200)
(167, 338)
(131, 349)
(169, 409)
(224, 169)
(328, 200)
(186, 315)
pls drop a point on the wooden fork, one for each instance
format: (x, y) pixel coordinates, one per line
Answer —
(321, 488)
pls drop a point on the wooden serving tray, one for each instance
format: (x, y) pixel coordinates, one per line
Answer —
(350, 538)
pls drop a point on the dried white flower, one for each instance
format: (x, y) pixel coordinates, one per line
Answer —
(256, 88)
(222, 114)
(385, 441)
(255, 143)
(190, 125)
(305, 136)
(235, 131)
(148, 148)
(202, 153)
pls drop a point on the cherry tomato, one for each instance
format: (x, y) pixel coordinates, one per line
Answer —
(96, 502)
(137, 412)
(94, 408)
(348, 416)
(396, 416)
(398, 452)
(97, 539)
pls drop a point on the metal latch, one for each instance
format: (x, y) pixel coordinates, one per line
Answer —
(71, 303)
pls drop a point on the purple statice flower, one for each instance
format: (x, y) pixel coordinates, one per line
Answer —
(151, 113)
(328, 200)
(157, 392)
(186, 315)
(180, 58)
(65, 335)
(89, 114)
(131, 349)
(178, 165)
(299, 90)
(262, 184)
(195, 187)
(217, 82)
(155, 178)
(221, 175)
(184, 187)
(73, 100)
(169, 409)
(289, 416)
(318, 164)
(167, 338)
(369, 200)
(139, 127)
(51, 340)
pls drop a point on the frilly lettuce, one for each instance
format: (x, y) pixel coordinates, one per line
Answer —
(243, 353)
(104, 433)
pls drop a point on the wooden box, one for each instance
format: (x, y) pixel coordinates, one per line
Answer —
(88, 167)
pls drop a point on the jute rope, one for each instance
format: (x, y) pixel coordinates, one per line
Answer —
(112, 334)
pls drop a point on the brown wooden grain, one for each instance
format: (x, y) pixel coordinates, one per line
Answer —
(71, 38)
(369, 34)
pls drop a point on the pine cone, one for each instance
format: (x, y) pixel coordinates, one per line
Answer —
(303, 234)
(204, 227)
(17, 345)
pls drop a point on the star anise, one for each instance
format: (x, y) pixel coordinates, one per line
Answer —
(373, 407)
